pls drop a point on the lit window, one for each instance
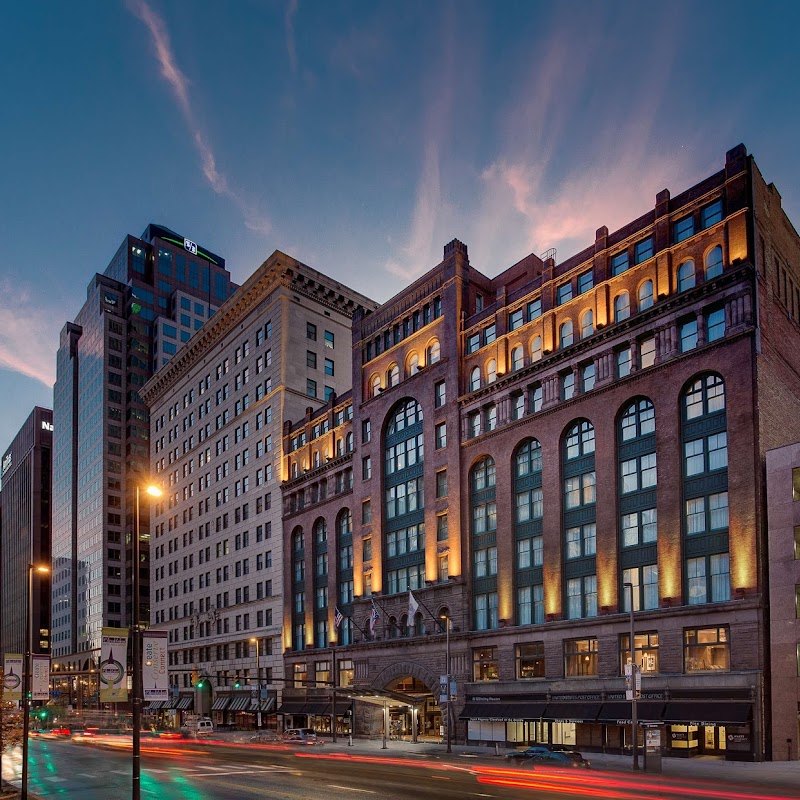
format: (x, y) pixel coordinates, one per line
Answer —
(707, 649)
(647, 352)
(713, 263)
(580, 656)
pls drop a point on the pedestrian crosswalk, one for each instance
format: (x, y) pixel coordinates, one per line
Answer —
(195, 770)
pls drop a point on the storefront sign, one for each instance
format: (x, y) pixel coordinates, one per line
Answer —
(47, 426)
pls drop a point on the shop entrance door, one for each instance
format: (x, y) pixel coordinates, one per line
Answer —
(712, 740)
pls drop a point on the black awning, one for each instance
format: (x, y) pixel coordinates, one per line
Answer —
(502, 711)
(239, 703)
(291, 707)
(699, 713)
(572, 712)
(620, 711)
(184, 703)
(318, 708)
(220, 703)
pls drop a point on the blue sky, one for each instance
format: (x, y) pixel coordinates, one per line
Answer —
(360, 137)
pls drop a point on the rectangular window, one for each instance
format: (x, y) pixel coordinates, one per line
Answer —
(535, 398)
(619, 263)
(530, 660)
(311, 359)
(688, 335)
(563, 293)
(647, 352)
(623, 362)
(329, 340)
(796, 483)
(439, 394)
(489, 334)
(587, 377)
(715, 325)
(441, 527)
(711, 214)
(366, 468)
(707, 649)
(580, 658)
(441, 483)
(473, 343)
(683, 229)
(485, 664)
(585, 281)
(311, 331)
(568, 386)
(582, 597)
(797, 542)
(311, 388)
(329, 366)
(534, 309)
(645, 652)
(441, 435)
(643, 250)
(486, 611)
(516, 319)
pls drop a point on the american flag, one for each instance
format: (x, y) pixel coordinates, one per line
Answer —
(374, 616)
(337, 618)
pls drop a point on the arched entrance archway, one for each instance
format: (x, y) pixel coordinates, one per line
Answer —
(422, 688)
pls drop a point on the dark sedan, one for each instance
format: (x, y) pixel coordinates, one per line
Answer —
(558, 759)
(528, 753)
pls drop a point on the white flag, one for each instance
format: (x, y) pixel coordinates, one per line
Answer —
(413, 605)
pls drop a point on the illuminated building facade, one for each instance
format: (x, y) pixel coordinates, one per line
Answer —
(524, 446)
(25, 533)
(278, 349)
(156, 291)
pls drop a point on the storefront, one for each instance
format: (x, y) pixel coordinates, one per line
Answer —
(710, 728)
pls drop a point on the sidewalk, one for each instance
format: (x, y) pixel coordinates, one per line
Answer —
(767, 773)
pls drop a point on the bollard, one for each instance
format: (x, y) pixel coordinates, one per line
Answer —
(350, 740)
(496, 749)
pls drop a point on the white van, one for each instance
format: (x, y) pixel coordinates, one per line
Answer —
(199, 726)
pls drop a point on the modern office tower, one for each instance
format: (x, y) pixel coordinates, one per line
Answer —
(280, 348)
(25, 538)
(156, 291)
(538, 450)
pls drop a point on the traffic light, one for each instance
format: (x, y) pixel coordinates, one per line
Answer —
(200, 684)
(237, 685)
(43, 714)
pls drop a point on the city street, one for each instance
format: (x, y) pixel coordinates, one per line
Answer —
(188, 770)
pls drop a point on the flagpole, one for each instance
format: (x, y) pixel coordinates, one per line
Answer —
(333, 692)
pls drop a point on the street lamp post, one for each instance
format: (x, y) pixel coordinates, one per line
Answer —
(634, 720)
(258, 681)
(26, 677)
(136, 671)
(446, 618)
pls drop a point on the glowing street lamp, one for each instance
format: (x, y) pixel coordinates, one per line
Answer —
(136, 699)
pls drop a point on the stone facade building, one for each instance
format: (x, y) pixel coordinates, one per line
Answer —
(527, 454)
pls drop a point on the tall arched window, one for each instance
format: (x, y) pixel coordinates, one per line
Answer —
(705, 489)
(483, 510)
(579, 519)
(374, 386)
(587, 323)
(491, 371)
(536, 348)
(636, 454)
(413, 364)
(475, 379)
(686, 276)
(645, 297)
(622, 306)
(565, 334)
(713, 263)
(433, 352)
(517, 358)
(320, 564)
(298, 590)
(393, 375)
(344, 574)
(404, 505)
(528, 579)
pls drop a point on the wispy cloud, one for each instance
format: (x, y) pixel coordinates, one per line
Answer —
(288, 24)
(28, 333)
(254, 219)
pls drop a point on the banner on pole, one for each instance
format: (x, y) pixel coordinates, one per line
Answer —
(12, 677)
(155, 677)
(40, 678)
(113, 665)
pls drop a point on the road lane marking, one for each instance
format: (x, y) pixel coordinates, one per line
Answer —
(87, 775)
(350, 788)
(120, 771)
(54, 778)
(152, 769)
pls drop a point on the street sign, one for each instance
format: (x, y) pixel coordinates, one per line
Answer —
(633, 681)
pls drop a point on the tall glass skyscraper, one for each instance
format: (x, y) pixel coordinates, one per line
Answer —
(158, 289)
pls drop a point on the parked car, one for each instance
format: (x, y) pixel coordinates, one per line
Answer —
(557, 759)
(301, 736)
(528, 752)
(198, 727)
(62, 731)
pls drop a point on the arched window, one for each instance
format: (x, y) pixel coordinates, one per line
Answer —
(565, 334)
(622, 306)
(394, 630)
(348, 447)
(705, 489)
(320, 531)
(433, 352)
(491, 371)
(375, 386)
(344, 542)
(419, 625)
(636, 455)
(483, 508)
(344, 523)
(316, 459)
(517, 358)
(713, 263)
(298, 589)
(536, 348)
(413, 364)
(393, 375)
(579, 519)
(528, 579)
(587, 323)
(645, 297)
(404, 499)
(475, 379)
(686, 276)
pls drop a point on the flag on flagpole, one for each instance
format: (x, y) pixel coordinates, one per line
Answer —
(337, 618)
(413, 605)
(374, 616)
